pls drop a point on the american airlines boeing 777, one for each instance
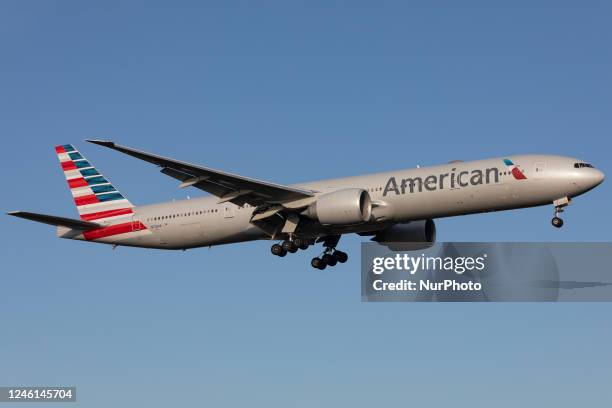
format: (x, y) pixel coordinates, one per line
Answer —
(396, 206)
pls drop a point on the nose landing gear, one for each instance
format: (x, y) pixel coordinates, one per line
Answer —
(560, 205)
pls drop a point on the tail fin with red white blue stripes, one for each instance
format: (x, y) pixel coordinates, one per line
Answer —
(95, 197)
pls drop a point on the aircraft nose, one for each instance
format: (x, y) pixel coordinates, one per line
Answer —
(598, 177)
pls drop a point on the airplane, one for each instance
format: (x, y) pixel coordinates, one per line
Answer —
(395, 206)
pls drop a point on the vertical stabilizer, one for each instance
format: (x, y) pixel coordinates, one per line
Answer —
(95, 197)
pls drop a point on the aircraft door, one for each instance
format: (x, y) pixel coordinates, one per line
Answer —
(539, 168)
(135, 224)
(229, 210)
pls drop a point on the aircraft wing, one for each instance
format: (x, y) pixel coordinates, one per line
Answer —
(55, 220)
(227, 186)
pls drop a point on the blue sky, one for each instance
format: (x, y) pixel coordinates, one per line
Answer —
(288, 92)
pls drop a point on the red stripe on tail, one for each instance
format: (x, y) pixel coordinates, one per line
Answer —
(88, 199)
(77, 182)
(68, 165)
(105, 214)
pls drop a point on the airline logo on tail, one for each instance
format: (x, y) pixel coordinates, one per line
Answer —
(516, 172)
(95, 197)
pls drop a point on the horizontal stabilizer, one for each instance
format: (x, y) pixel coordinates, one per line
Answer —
(53, 220)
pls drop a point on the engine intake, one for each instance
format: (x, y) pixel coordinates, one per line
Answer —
(342, 207)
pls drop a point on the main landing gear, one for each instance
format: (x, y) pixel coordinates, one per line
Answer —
(560, 205)
(331, 256)
(289, 246)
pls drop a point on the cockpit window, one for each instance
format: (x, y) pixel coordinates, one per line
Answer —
(581, 165)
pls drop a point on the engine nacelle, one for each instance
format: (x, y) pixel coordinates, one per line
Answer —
(342, 207)
(411, 236)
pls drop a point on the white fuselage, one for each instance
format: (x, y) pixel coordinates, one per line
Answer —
(400, 196)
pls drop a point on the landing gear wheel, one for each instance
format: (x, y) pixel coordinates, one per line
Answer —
(289, 246)
(298, 242)
(318, 263)
(304, 246)
(557, 222)
(278, 250)
(340, 256)
(329, 259)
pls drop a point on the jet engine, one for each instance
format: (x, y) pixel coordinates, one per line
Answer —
(341, 207)
(411, 236)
